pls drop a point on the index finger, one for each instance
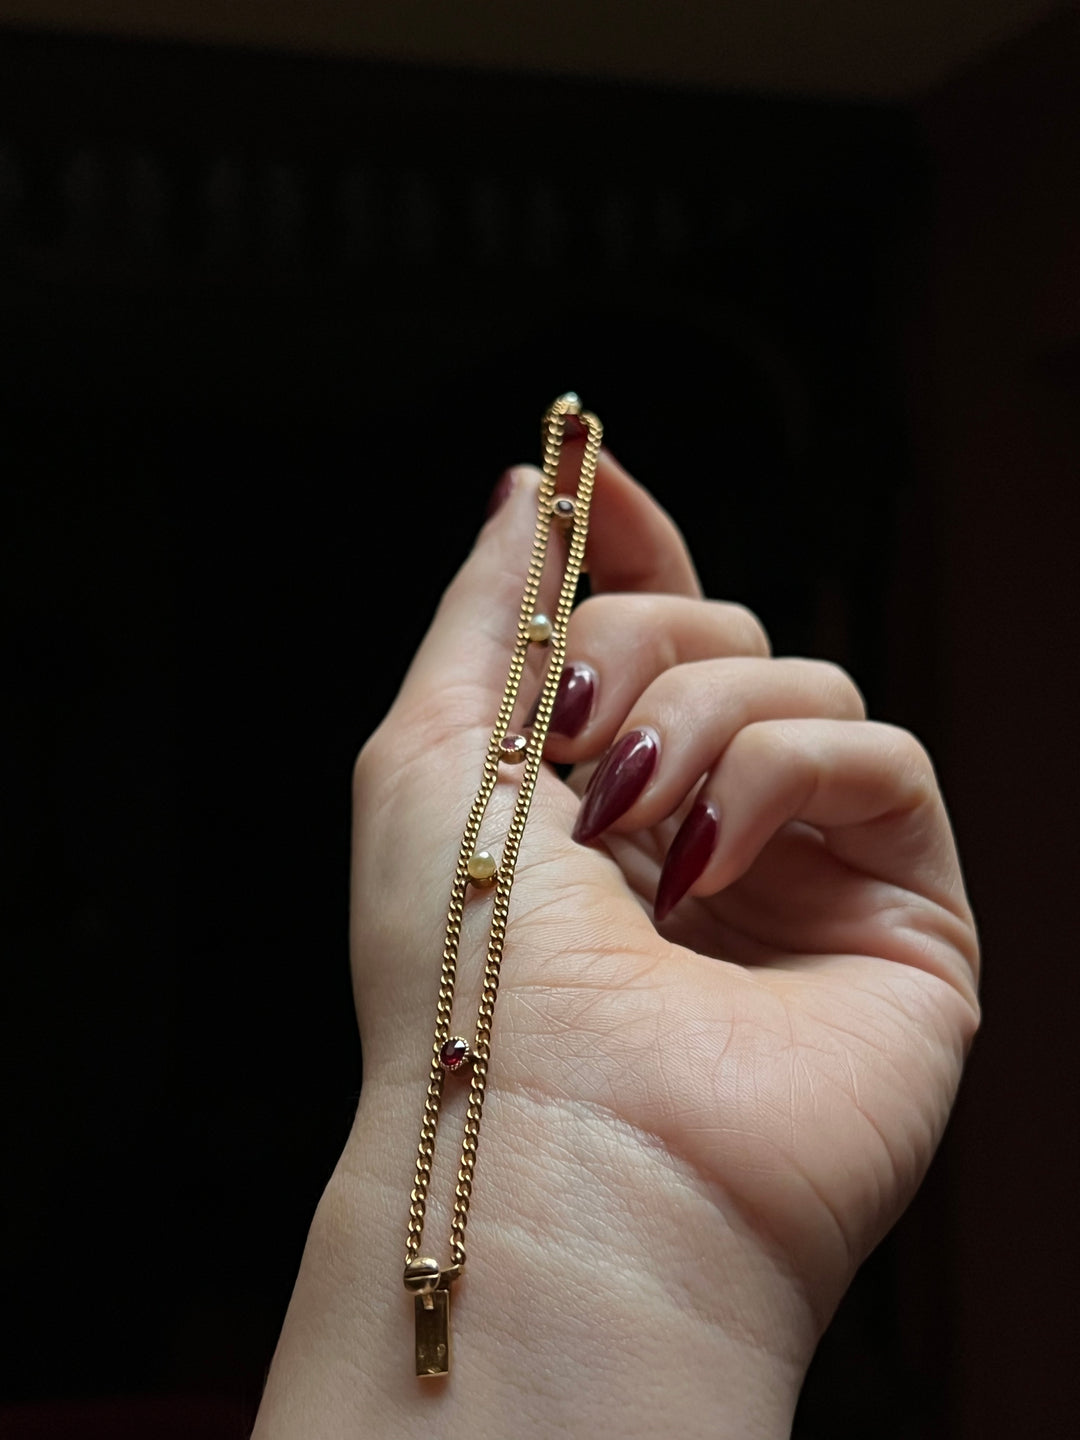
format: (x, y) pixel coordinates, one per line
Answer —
(633, 542)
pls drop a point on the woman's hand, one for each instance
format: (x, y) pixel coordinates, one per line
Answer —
(697, 1124)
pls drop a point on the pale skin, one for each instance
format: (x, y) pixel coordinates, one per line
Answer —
(695, 1130)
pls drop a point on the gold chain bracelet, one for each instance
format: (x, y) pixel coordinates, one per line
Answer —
(427, 1280)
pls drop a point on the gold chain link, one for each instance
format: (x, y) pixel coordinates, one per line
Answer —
(553, 431)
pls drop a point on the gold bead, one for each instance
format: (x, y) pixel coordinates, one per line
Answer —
(513, 749)
(539, 630)
(483, 869)
(422, 1276)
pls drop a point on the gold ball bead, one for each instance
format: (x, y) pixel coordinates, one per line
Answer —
(539, 630)
(422, 1275)
(483, 868)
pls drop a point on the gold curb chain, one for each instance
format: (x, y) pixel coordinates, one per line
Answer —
(427, 1280)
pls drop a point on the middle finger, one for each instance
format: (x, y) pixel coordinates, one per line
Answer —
(619, 645)
(683, 722)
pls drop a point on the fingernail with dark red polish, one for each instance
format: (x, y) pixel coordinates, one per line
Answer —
(694, 842)
(617, 782)
(573, 700)
(501, 493)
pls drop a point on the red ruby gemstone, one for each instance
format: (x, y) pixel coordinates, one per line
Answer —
(454, 1053)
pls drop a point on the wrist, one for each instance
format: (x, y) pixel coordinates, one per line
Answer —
(606, 1286)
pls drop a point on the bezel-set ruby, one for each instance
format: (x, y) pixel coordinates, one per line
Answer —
(455, 1053)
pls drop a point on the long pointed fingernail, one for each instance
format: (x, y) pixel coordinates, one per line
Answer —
(617, 782)
(573, 700)
(687, 857)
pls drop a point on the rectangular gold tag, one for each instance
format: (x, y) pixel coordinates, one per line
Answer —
(433, 1333)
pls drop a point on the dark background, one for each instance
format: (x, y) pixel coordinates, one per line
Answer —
(270, 329)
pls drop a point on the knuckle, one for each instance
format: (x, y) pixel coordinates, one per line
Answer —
(762, 743)
(841, 688)
(911, 760)
(750, 632)
(778, 747)
(369, 762)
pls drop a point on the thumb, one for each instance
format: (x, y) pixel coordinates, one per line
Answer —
(459, 671)
(416, 776)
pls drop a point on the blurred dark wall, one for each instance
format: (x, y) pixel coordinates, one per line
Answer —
(269, 331)
(998, 427)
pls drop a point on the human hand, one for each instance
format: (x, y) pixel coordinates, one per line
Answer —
(695, 1129)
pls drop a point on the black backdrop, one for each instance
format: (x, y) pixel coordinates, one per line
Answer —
(269, 331)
